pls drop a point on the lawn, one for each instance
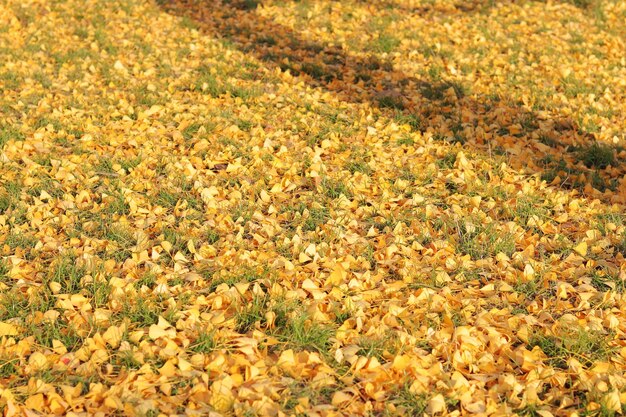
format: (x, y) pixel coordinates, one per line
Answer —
(313, 208)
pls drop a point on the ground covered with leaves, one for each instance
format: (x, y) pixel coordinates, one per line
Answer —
(312, 207)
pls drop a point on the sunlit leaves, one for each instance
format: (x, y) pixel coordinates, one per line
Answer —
(312, 208)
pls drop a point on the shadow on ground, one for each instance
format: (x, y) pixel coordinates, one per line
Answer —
(555, 147)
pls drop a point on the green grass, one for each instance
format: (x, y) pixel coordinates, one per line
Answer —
(412, 120)
(13, 305)
(125, 360)
(148, 279)
(140, 311)
(334, 189)
(123, 239)
(358, 163)
(130, 163)
(177, 239)
(384, 43)
(117, 205)
(310, 217)
(48, 331)
(251, 313)
(205, 343)
(300, 333)
(316, 218)
(8, 133)
(483, 241)
(68, 274)
(376, 346)
(603, 280)
(99, 291)
(4, 270)
(586, 346)
(388, 101)
(5, 203)
(8, 368)
(211, 236)
(597, 156)
(409, 403)
(20, 240)
(447, 162)
(166, 199)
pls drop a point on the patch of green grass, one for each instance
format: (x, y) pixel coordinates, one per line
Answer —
(8, 133)
(48, 331)
(405, 140)
(388, 101)
(8, 368)
(298, 390)
(358, 163)
(211, 237)
(243, 211)
(20, 240)
(409, 403)
(373, 347)
(207, 83)
(167, 199)
(13, 189)
(4, 270)
(301, 333)
(335, 188)
(243, 93)
(125, 360)
(412, 120)
(597, 155)
(177, 239)
(582, 4)
(205, 342)
(251, 313)
(604, 219)
(244, 4)
(5, 203)
(117, 205)
(316, 71)
(244, 125)
(573, 87)
(483, 241)
(13, 304)
(11, 80)
(381, 222)
(67, 273)
(531, 289)
(447, 162)
(527, 207)
(438, 90)
(47, 184)
(384, 43)
(188, 23)
(140, 311)
(586, 346)
(190, 131)
(99, 291)
(316, 218)
(45, 122)
(124, 240)
(604, 280)
(529, 410)
(148, 279)
(104, 166)
(129, 163)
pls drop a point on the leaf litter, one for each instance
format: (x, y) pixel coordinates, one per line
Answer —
(312, 208)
